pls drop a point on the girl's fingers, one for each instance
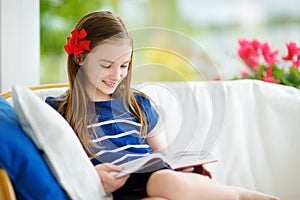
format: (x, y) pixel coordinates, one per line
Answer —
(113, 167)
(111, 184)
(108, 167)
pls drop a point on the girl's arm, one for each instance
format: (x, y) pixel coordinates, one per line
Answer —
(157, 141)
(156, 138)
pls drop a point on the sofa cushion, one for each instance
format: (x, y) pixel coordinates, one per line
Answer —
(59, 145)
(22, 161)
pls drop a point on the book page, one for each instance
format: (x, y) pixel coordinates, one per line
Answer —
(181, 160)
(140, 163)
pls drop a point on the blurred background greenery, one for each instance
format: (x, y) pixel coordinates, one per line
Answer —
(205, 32)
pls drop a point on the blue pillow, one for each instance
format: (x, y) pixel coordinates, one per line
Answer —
(19, 157)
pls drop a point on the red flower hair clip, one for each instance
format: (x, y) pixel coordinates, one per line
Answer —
(76, 45)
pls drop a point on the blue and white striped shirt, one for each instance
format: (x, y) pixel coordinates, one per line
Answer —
(117, 131)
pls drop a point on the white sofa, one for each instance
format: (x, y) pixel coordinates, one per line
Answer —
(250, 127)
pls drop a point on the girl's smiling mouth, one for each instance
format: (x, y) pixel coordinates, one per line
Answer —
(110, 83)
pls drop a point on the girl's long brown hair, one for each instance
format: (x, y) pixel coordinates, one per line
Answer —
(100, 26)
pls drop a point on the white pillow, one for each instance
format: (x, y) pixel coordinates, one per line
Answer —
(61, 148)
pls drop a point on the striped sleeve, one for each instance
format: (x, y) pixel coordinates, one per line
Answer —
(150, 112)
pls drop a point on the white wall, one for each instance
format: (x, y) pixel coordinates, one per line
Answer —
(19, 43)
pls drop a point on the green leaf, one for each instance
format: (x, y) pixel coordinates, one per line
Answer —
(292, 78)
(278, 73)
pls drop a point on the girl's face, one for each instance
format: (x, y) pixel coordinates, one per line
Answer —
(105, 67)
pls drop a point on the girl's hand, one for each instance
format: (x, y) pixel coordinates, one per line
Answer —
(202, 170)
(198, 170)
(109, 182)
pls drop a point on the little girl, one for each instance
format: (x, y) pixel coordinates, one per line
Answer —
(116, 123)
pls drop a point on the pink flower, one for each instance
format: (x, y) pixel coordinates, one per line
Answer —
(292, 51)
(263, 63)
(293, 54)
(296, 63)
(256, 45)
(269, 56)
(244, 73)
(248, 52)
(268, 79)
(269, 76)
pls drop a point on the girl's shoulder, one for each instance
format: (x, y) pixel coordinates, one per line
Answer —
(141, 97)
(144, 100)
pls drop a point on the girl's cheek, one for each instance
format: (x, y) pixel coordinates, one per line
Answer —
(125, 72)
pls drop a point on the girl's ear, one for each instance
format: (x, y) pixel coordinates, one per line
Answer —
(78, 59)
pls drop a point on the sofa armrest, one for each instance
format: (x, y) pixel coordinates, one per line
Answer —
(6, 188)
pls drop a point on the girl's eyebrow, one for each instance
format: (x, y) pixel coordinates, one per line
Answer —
(111, 62)
(126, 62)
(105, 60)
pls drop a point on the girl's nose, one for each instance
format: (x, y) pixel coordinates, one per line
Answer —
(115, 73)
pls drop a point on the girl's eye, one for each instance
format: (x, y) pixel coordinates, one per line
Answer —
(105, 66)
(124, 66)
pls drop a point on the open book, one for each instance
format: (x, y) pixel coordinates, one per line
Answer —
(177, 161)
